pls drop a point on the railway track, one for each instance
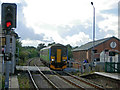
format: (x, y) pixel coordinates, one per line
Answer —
(70, 79)
(40, 75)
(31, 77)
(76, 81)
(48, 80)
(55, 81)
(33, 81)
(84, 81)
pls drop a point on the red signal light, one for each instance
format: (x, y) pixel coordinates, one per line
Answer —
(8, 24)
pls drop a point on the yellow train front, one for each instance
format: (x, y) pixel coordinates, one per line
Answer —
(55, 56)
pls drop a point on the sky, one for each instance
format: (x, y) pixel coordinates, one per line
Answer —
(64, 21)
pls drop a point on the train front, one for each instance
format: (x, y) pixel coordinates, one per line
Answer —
(58, 57)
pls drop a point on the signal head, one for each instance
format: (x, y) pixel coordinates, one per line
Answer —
(8, 15)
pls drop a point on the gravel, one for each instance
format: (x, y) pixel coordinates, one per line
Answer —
(59, 82)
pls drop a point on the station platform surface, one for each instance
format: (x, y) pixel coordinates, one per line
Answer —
(31, 68)
(110, 75)
(13, 82)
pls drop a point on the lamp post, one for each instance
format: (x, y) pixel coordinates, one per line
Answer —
(93, 30)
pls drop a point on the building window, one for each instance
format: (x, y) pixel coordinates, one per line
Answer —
(97, 59)
(95, 50)
(106, 50)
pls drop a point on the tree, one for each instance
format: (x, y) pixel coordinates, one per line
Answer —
(51, 44)
(24, 55)
(40, 46)
(75, 47)
(69, 47)
(18, 47)
(32, 51)
(18, 44)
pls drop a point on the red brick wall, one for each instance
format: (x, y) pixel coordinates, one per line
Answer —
(76, 55)
(106, 45)
(82, 55)
(89, 59)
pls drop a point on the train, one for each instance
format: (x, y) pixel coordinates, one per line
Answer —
(55, 56)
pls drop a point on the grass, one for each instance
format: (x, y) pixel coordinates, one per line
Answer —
(3, 81)
(82, 74)
(23, 80)
(22, 63)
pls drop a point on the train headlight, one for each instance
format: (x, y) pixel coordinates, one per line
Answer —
(53, 59)
(64, 60)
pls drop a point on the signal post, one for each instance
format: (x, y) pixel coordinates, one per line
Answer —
(8, 19)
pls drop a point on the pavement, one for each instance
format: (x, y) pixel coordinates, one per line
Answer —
(13, 82)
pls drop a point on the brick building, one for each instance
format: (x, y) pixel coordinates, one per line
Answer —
(84, 52)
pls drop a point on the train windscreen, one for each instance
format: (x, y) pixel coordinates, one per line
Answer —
(54, 51)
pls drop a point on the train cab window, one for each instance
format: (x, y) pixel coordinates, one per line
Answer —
(64, 51)
(53, 51)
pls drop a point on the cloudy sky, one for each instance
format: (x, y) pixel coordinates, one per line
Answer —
(64, 21)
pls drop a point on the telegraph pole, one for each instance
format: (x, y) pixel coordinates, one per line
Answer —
(93, 31)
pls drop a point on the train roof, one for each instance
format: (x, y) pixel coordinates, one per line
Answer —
(54, 45)
(57, 45)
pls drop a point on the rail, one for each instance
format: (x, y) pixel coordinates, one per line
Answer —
(50, 82)
(35, 85)
(76, 85)
(89, 83)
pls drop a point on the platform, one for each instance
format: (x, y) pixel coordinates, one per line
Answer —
(31, 68)
(110, 75)
(13, 82)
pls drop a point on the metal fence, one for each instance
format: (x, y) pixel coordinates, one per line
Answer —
(112, 67)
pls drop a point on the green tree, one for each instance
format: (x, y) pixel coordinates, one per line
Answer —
(51, 44)
(26, 52)
(19, 44)
(75, 47)
(32, 51)
(24, 55)
(69, 47)
(40, 46)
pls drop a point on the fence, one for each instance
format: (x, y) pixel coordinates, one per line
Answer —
(112, 67)
(88, 67)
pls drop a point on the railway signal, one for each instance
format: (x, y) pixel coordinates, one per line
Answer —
(9, 15)
(8, 19)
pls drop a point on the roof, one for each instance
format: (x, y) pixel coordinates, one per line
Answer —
(58, 44)
(89, 45)
(54, 45)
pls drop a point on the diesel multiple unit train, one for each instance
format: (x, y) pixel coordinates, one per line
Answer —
(55, 56)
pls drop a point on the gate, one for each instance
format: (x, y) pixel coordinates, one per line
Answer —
(112, 67)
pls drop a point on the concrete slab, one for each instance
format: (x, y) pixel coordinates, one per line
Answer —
(13, 82)
(110, 75)
(32, 68)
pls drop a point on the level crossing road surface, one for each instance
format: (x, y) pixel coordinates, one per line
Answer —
(32, 68)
